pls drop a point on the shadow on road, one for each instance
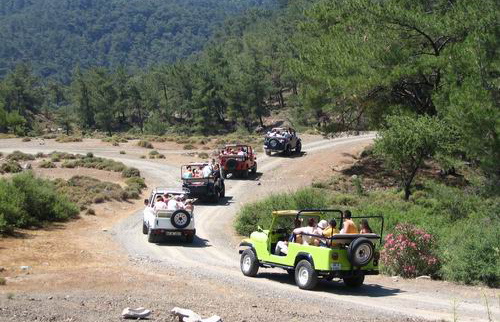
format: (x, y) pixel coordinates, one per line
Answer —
(226, 201)
(251, 177)
(198, 242)
(291, 156)
(335, 287)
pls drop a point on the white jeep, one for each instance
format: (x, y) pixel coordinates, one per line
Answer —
(160, 223)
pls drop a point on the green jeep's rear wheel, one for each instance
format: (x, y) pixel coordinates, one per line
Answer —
(306, 277)
(248, 263)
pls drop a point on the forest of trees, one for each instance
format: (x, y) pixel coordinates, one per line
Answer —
(338, 65)
(56, 35)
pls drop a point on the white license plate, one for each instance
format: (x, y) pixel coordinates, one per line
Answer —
(336, 267)
(173, 233)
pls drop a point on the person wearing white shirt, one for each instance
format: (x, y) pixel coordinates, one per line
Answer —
(207, 171)
(160, 204)
(172, 204)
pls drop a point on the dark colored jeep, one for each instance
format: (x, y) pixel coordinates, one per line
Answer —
(238, 160)
(282, 140)
(203, 181)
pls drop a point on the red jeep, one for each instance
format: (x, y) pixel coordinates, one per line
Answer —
(237, 159)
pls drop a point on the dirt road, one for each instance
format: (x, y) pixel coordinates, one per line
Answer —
(212, 261)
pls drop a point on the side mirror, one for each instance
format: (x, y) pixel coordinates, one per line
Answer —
(146, 202)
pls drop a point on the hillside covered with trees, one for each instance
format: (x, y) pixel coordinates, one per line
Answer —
(56, 35)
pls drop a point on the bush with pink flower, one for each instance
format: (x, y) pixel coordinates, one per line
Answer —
(409, 252)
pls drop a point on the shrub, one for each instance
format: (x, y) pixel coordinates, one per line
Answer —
(3, 281)
(40, 155)
(131, 172)
(27, 201)
(10, 167)
(471, 253)
(67, 139)
(160, 156)
(409, 252)
(122, 152)
(90, 212)
(26, 139)
(143, 157)
(136, 182)
(89, 155)
(116, 144)
(188, 147)
(20, 156)
(46, 164)
(145, 144)
(259, 213)
(153, 154)
(203, 155)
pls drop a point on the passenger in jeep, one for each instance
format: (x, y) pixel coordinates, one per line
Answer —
(310, 229)
(364, 227)
(348, 226)
(160, 204)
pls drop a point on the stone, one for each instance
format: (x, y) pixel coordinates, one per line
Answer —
(423, 277)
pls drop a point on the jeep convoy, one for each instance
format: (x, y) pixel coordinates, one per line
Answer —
(346, 256)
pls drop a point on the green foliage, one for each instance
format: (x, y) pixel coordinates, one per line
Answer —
(27, 201)
(407, 141)
(472, 252)
(68, 139)
(47, 164)
(10, 167)
(20, 156)
(259, 213)
(131, 173)
(108, 33)
(188, 147)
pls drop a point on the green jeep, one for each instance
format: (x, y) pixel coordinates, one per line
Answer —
(346, 256)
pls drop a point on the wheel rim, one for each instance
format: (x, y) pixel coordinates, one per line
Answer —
(247, 263)
(180, 219)
(303, 276)
(363, 253)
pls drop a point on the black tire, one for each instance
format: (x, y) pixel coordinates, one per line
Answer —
(354, 281)
(223, 192)
(254, 169)
(231, 164)
(151, 238)
(244, 173)
(190, 238)
(144, 228)
(306, 277)
(298, 147)
(268, 152)
(360, 252)
(180, 219)
(288, 150)
(273, 143)
(216, 196)
(248, 263)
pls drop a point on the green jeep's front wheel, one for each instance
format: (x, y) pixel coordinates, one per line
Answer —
(306, 277)
(248, 263)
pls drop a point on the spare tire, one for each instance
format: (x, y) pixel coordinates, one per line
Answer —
(360, 251)
(231, 164)
(273, 143)
(180, 219)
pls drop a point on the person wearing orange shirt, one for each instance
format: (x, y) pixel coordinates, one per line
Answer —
(348, 227)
